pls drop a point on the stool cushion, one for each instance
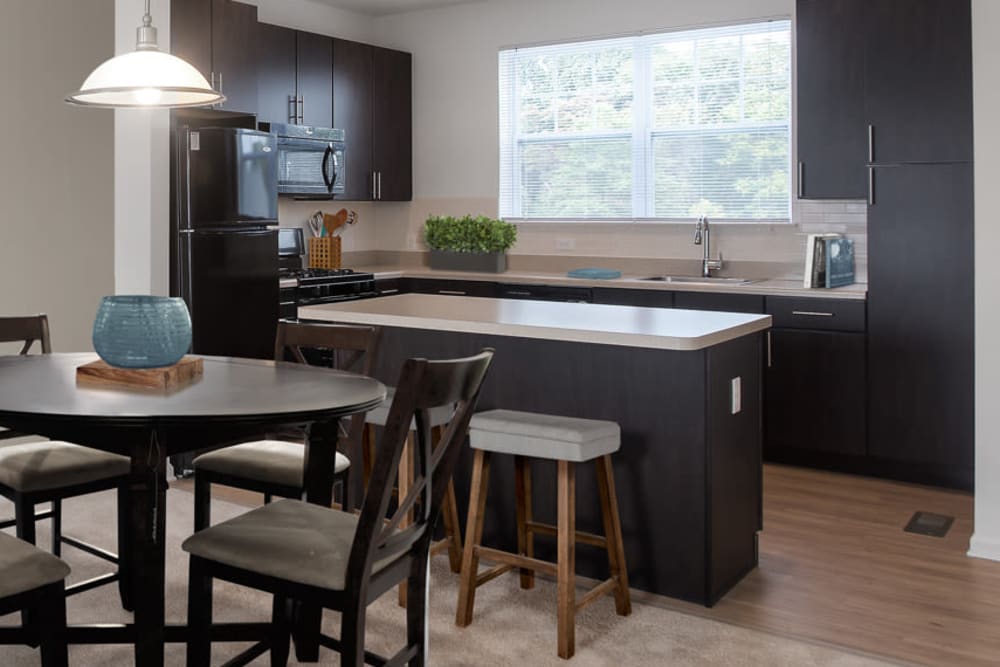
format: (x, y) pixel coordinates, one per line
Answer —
(289, 539)
(379, 415)
(23, 567)
(543, 436)
(269, 461)
(50, 464)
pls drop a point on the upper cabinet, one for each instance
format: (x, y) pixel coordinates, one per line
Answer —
(918, 80)
(831, 126)
(294, 77)
(217, 37)
(883, 82)
(372, 90)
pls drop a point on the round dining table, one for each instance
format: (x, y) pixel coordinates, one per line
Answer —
(233, 400)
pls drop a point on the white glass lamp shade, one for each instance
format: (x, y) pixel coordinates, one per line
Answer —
(145, 78)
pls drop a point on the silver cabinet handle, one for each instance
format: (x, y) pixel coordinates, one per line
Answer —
(802, 172)
(389, 291)
(379, 185)
(221, 85)
(292, 109)
(871, 143)
(212, 80)
(451, 292)
(770, 358)
(302, 110)
(515, 292)
(374, 189)
(811, 313)
(871, 186)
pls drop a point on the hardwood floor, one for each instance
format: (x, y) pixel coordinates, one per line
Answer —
(836, 567)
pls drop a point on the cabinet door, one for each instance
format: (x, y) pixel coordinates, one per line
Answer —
(452, 287)
(920, 314)
(191, 33)
(830, 58)
(314, 79)
(732, 303)
(815, 389)
(392, 149)
(275, 73)
(918, 80)
(352, 112)
(634, 297)
(234, 57)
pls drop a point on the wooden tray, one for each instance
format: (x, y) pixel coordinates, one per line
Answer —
(167, 378)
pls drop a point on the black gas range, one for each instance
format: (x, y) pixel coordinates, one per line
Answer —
(309, 287)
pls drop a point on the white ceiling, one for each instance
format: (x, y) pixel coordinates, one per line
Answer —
(385, 7)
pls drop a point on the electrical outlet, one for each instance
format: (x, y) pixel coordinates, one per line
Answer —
(736, 395)
(565, 244)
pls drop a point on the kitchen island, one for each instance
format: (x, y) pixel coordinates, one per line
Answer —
(685, 386)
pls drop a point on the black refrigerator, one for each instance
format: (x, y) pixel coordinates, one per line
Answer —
(224, 259)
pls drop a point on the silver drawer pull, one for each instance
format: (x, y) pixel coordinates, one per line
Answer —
(811, 313)
(451, 292)
(389, 291)
(515, 292)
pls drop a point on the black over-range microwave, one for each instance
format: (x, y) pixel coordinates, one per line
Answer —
(310, 160)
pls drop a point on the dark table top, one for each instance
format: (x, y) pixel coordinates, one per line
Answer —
(44, 386)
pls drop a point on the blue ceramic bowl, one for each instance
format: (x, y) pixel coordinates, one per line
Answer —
(142, 331)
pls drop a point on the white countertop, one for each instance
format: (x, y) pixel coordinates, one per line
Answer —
(629, 326)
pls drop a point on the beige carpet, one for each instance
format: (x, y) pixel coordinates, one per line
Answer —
(511, 627)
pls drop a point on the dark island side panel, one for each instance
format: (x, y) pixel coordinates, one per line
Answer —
(659, 399)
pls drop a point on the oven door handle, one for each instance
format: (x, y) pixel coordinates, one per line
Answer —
(326, 160)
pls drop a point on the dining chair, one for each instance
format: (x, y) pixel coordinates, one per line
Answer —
(31, 579)
(299, 552)
(50, 471)
(274, 466)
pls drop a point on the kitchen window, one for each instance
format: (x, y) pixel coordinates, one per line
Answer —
(666, 126)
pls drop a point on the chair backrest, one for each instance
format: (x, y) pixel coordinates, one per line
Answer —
(422, 385)
(26, 329)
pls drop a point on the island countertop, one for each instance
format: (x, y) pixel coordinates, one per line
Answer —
(629, 326)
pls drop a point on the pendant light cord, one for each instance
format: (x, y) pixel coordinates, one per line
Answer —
(147, 18)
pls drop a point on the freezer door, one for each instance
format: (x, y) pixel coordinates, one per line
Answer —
(231, 289)
(232, 178)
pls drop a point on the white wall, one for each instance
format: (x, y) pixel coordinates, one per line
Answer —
(986, 77)
(56, 187)
(456, 134)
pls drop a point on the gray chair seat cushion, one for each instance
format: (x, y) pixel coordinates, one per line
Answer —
(289, 539)
(23, 567)
(379, 415)
(543, 436)
(269, 461)
(45, 465)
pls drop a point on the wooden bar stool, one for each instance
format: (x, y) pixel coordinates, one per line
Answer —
(439, 417)
(567, 441)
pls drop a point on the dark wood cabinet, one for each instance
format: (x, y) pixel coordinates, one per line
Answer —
(649, 298)
(545, 292)
(217, 38)
(352, 112)
(920, 315)
(815, 393)
(451, 287)
(392, 139)
(733, 303)
(276, 74)
(830, 61)
(372, 103)
(314, 79)
(918, 80)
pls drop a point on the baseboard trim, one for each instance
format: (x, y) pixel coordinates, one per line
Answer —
(983, 548)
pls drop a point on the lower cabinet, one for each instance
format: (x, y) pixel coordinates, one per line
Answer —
(815, 398)
(720, 301)
(545, 293)
(450, 287)
(649, 298)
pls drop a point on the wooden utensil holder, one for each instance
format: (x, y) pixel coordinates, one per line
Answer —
(324, 252)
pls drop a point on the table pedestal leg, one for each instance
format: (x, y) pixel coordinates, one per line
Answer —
(321, 455)
(147, 487)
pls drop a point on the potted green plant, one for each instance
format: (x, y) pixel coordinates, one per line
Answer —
(469, 243)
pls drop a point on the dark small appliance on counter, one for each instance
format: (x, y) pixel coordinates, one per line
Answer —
(310, 160)
(307, 287)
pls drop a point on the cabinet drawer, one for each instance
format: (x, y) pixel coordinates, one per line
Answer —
(451, 287)
(817, 314)
(719, 301)
(633, 297)
(545, 293)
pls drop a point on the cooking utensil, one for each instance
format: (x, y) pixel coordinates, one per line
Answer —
(335, 223)
(315, 223)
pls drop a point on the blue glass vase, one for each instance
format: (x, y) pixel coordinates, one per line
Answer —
(142, 331)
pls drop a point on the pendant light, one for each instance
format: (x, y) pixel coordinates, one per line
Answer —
(145, 78)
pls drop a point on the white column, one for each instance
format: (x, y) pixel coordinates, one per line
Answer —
(142, 172)
(985, 541)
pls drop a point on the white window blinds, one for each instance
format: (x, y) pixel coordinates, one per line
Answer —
(667, 126)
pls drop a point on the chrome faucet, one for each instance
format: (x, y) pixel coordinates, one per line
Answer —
(703, 237)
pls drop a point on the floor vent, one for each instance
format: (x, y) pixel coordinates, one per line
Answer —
(928, 523)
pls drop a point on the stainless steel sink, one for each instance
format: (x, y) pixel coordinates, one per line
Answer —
(698, 280)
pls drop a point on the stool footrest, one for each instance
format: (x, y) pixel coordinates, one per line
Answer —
(104, 554)
(439, 546)
(493, 573)
(605, 587)
(516, 560)
(581, 536)
(89, 584)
